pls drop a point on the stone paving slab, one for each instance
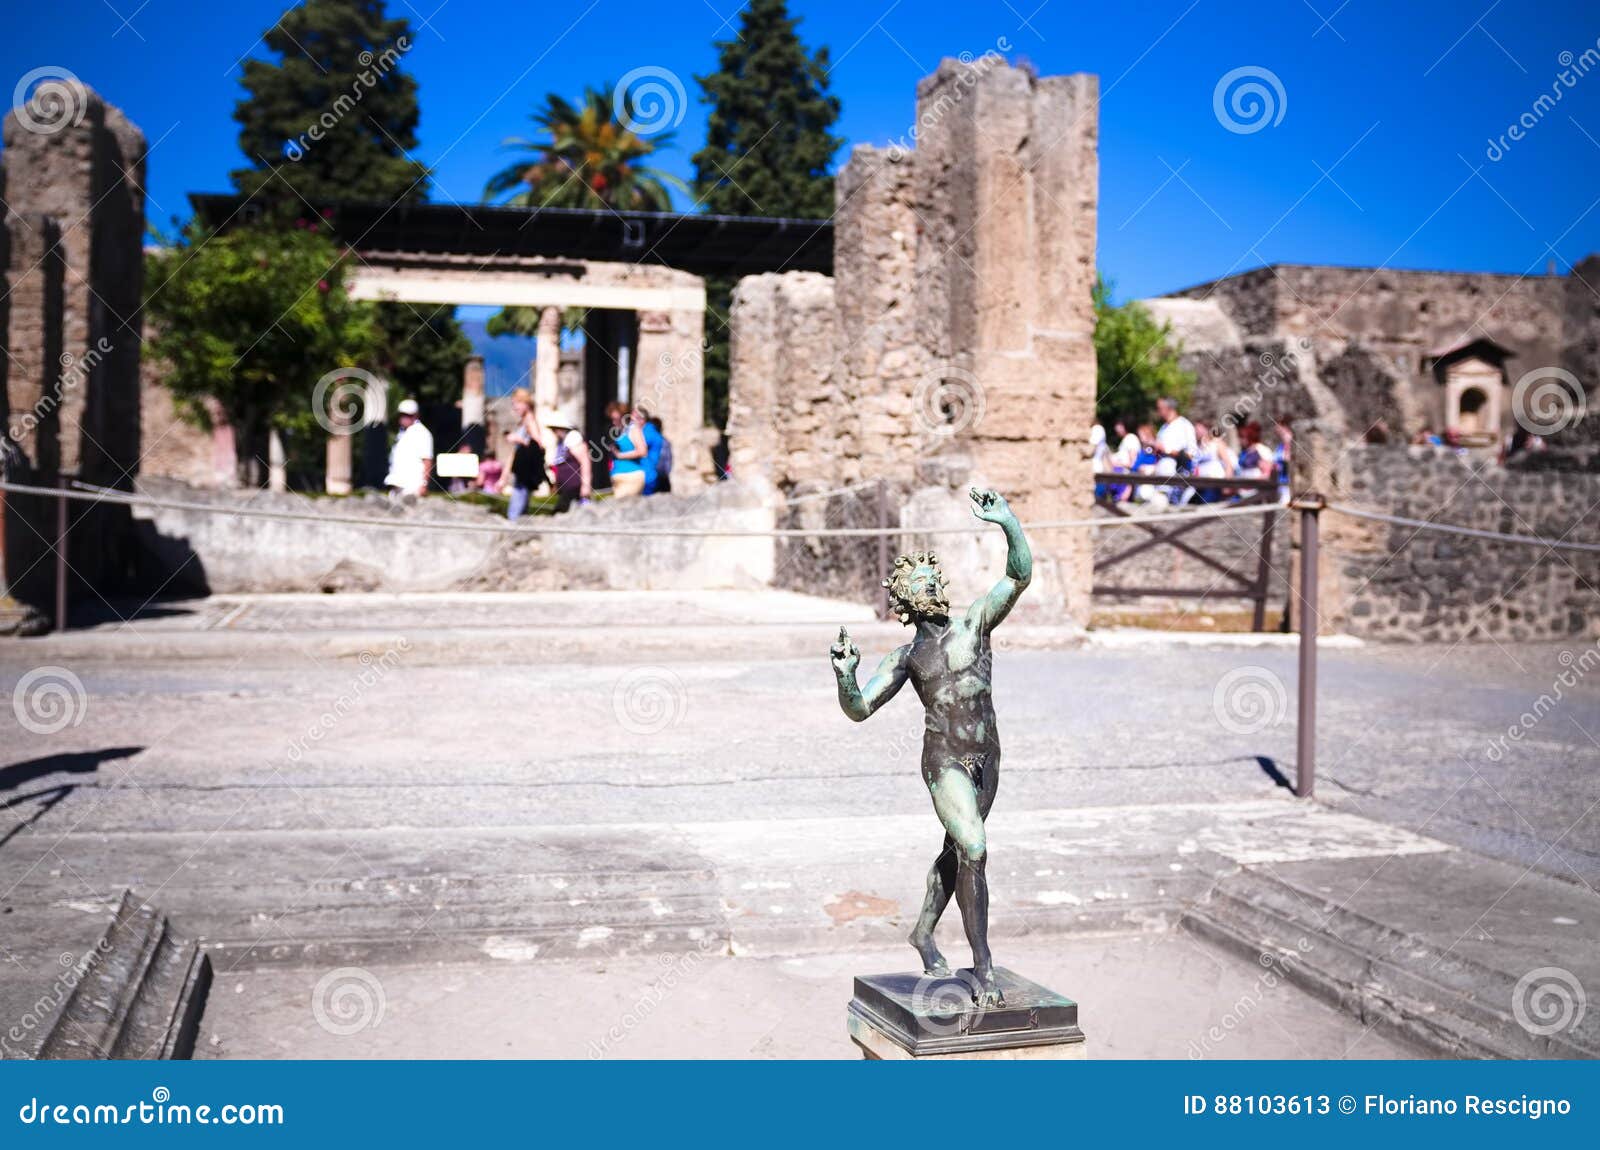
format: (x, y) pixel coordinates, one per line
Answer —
(759, 886)
(1144, 996)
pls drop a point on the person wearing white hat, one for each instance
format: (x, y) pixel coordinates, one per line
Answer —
(572, 467)
(411, 458)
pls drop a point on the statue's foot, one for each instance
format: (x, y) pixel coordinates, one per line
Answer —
(987, 993)
(933, 962)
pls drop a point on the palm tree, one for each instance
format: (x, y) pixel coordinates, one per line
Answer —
(586, 159)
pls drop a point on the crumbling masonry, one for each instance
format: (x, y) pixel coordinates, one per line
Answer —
(73, 182)
(954, 342)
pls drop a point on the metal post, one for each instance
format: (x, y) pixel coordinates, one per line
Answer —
(61, 553)
(1309, 506)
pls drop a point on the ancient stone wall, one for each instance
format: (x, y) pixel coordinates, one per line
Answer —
(172, 446)
(1401, 583)
(80, 164)
(1371, 332)
(787, 424)
(956, 336)
(74, 200)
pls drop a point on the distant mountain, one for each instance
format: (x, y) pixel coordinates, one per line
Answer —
(507, 359)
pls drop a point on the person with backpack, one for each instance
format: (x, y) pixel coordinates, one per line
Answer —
(662, 449)
(527, 458)
(571, 468)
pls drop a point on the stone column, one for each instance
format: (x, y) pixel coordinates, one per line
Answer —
(34, 339)
(547, 362)
(669, 381)
(339, 460)
(79, 161)
(1007, 181)
(277, 462)
(472, 400)
(569, 385)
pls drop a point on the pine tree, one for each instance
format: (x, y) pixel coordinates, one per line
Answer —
(335, 118)
(336, 115)
(768, 152)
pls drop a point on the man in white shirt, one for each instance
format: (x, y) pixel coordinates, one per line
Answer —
(411, 458)
(1176, 438)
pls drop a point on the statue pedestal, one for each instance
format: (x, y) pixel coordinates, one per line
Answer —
(896, 1016)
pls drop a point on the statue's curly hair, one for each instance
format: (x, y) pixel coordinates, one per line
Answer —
(898, 584)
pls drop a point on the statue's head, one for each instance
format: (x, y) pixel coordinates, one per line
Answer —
(916, 588)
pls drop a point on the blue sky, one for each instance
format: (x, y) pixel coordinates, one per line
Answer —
(1379, 157)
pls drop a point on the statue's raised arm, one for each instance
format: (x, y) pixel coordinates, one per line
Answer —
(890, 676)
(988, 611)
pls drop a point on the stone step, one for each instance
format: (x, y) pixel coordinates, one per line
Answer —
(1390, 979)
(576, 914)
(140, 994)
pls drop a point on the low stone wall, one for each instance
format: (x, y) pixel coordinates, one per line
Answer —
(210, 550)
(1401, 583)
(837, 567)
(668, 563)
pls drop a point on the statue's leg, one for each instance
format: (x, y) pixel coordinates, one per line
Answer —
(941, 885)
(956, 801)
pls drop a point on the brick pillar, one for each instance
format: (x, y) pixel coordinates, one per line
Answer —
(547, 362)
(669, 381)
(472, 397)
(72, 158)
(1007, 184)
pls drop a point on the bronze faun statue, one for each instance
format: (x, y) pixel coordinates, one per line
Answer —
(949, 663)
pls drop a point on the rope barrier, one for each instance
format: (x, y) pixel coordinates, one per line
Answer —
(848, 489)
(523, 528)
(1471, 532)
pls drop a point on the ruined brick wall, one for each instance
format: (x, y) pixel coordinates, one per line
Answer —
(1399, 583)
(954, 343)
(74, 193)
(77, 161)
(172, 446)
(1371, 331)
(786, 424)
(1250, 299)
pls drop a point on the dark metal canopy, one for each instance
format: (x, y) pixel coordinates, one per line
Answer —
(701, 244)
